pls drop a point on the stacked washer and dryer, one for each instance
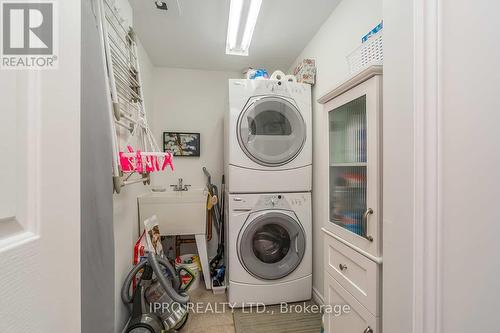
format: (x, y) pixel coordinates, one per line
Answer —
(268, 167)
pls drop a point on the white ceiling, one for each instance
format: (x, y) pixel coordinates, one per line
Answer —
(197, 37)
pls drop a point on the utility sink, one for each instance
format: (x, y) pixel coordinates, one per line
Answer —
(178, 212)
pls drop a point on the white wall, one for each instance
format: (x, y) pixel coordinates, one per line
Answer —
(188, 100)
(126, 233)
(338, 37)
(469, 152)
(398, 166)
(125, 209)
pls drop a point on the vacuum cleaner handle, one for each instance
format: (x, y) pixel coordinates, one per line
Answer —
(126, 297)
(180, 298)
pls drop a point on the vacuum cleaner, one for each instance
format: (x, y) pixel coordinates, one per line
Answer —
(158, 303)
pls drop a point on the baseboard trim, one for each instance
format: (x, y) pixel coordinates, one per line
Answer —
(317, 297)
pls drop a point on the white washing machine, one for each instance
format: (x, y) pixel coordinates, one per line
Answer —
(269, 248)
(268, 139)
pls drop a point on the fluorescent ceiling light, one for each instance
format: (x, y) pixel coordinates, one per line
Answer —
(243, 16)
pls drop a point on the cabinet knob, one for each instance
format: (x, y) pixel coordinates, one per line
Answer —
(368, 330)
(342, 267)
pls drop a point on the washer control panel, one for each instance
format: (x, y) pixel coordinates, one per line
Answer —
(273, 201)
(254, 202)
(299, 201)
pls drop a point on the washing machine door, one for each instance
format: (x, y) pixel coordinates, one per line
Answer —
(271, 131)
(271, 244)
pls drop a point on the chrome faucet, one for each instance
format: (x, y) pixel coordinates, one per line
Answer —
(180, 187)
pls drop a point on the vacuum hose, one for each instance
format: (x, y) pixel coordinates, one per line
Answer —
(155, 263)
(180, 298)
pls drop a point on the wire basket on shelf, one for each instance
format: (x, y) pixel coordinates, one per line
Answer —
(367, 54)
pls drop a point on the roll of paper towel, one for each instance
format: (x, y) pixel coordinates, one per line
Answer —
(290, 78)
(278, 75)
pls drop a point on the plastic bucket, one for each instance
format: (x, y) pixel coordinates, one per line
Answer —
(190, 263)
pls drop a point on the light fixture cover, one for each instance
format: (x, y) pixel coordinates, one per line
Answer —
(243, 16)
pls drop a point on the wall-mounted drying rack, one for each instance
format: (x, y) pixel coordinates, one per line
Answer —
(126, 103)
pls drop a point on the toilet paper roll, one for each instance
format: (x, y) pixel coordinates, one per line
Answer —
(290, 78)
(278, 75)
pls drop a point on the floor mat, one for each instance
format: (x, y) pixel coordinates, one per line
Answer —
(274, 320)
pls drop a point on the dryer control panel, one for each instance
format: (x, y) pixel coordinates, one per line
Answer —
(281, 88)
(273, 87)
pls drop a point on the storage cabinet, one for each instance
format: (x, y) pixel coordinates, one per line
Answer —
(353, 231)
(353, 130)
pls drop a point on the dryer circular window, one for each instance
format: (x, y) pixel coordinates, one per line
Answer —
(271, 131)
(271, 244)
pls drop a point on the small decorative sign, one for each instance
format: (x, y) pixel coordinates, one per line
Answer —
(182, 144)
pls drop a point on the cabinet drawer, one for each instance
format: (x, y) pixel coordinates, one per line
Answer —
(356, 320)
(359, 275)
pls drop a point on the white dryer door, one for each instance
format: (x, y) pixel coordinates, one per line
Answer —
(271, 244)
(271, 131)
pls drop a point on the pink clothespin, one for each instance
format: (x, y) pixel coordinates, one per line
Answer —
(138, 162)
(167, 161)
(127, 163)
(149, 163)
(157, 164)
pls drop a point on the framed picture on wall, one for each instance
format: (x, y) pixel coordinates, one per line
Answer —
(182, 144)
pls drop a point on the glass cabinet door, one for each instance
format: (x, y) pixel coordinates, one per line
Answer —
(348, 166)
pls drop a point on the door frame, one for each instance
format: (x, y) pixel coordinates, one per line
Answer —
(427, 235)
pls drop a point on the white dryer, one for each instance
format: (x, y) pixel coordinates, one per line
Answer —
(268, 140)
(269, 248)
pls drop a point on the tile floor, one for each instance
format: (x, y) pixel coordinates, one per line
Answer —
(209, 322)
(213, 315)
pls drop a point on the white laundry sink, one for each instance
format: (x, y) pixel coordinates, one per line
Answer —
(178, 212)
